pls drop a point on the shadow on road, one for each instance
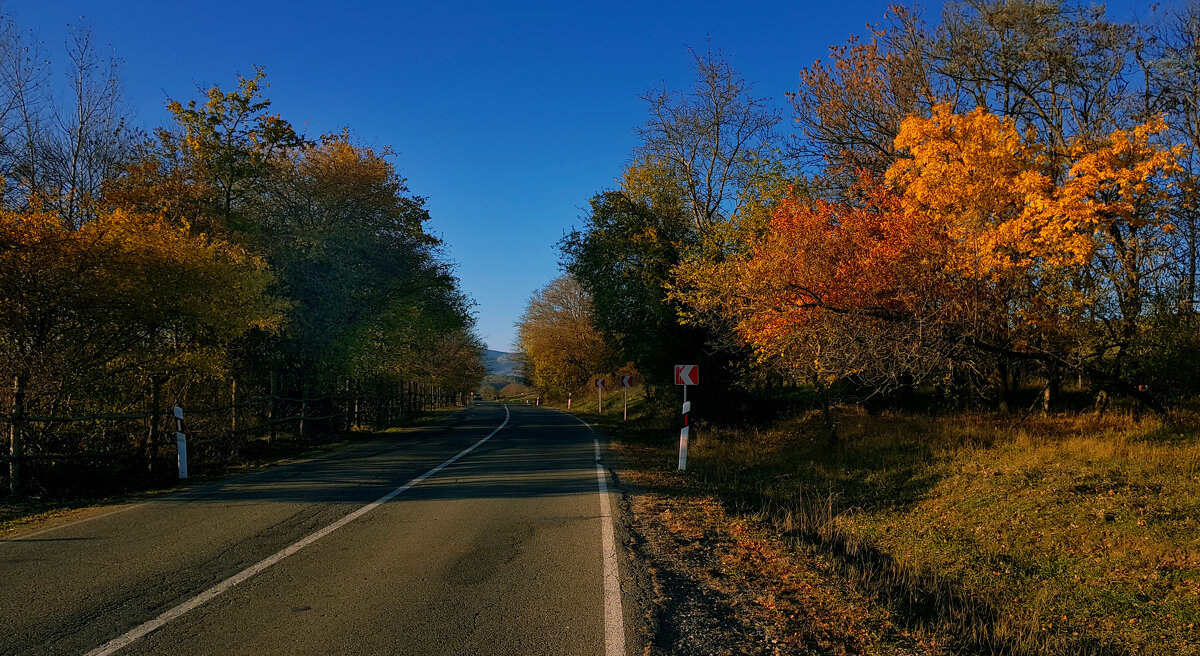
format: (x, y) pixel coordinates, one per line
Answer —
(539, 453)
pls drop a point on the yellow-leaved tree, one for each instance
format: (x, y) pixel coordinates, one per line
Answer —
(1072, 254)
(560, 346)
(90, 316)
(973, 256)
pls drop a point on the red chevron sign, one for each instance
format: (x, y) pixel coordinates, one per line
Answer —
(687, 374)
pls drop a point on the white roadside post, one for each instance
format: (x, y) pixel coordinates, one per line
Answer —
(599, 396)
(686, 375)
(181, 442)
(626, 383)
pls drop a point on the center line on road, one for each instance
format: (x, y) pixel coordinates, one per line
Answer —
(150, 626)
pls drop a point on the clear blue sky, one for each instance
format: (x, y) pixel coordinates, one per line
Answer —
(508, 116)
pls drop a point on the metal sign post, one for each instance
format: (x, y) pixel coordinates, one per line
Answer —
(626, 383)
(600, 396)
(181, 442)
(685, 375)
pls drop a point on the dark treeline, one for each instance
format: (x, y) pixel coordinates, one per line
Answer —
(226, 263)
(994, 209)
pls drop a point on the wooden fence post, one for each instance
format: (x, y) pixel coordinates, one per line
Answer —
(271, 408)
(303, 411)
(16, 446)
(152, 434)
(233, 405)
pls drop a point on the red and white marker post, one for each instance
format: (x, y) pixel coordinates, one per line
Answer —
(686, 375)
(626, 383)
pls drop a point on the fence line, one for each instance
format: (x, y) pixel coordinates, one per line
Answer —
(146, 443)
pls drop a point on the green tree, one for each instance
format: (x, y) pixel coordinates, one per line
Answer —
(623, 257)
(214, 165)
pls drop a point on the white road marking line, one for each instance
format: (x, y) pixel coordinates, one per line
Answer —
(614, 622)
(187, 494)
(614, 619)
(146, 628)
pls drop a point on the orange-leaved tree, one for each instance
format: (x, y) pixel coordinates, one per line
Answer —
(1073, 262)
(971, 258)
(834, 290)
(560, 346)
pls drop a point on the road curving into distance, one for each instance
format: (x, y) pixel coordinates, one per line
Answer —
(491, 534)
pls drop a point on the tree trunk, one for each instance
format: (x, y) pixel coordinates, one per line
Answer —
(1053, 387)
(154, 433)
(357, 420)
(907, 391)
(233, 406)
(826, 412)
(1003, 386)
(303, 411)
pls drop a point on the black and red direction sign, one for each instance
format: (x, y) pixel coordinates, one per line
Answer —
(626, 381)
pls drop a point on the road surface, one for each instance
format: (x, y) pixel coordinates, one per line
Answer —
(492, 534)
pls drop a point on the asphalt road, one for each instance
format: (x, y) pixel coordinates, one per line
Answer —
(379, 548)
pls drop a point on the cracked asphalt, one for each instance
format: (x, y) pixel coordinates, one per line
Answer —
(498, 553)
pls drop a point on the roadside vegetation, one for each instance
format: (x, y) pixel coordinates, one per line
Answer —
(972, 533)
(947, 331)
(279, 287)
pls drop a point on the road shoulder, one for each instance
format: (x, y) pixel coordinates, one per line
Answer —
(724, 583)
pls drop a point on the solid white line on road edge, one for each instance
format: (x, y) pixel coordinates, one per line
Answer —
(614, 623)
(614, 620)
(208, 595)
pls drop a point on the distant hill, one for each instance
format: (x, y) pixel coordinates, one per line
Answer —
(499, 363)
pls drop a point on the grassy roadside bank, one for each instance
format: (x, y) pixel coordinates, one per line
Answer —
(974, 533)
(726, 581)
(256, 455)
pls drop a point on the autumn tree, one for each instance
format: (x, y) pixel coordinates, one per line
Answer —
(333, 219)
(706, 172)
(348, 244)
(560, 346)
(849, 108)
(971, 256)
(836, 292)
(1172, 70)
(1058, 70)
(623, 257)
(90, 317)
(211, 168)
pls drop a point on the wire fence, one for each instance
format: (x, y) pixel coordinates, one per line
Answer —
(80, 453)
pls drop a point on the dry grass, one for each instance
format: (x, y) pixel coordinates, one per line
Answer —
(1048, 535)
(783, 600)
